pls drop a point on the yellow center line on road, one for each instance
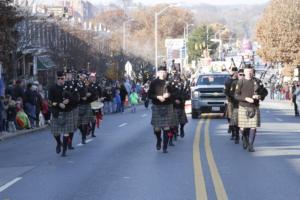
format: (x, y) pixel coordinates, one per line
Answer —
(200, 187)
(217, 181)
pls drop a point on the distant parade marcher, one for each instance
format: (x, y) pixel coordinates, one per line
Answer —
(181, 94)
(235, 113)
(62, 120)
(249, 92)
(173, 82)
(145, 97)
(229, 92)
(162, 109)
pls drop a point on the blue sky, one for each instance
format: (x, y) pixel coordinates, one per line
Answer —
(214, 2)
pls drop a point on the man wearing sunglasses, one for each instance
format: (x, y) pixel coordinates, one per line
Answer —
(62, 120)
(249, 92)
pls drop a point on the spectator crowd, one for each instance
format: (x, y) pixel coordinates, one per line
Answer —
(25, 105)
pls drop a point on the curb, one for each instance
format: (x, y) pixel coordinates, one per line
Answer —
(22, 132)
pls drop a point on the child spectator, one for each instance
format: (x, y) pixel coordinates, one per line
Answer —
(22, 119)
(6, 101)
(117, 101)
(134, 100)
(11, 116)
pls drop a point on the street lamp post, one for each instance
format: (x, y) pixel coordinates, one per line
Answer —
(155, 33)
(220, 43)
(186, 38)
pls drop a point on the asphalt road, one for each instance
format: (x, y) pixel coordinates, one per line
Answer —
(121, 163)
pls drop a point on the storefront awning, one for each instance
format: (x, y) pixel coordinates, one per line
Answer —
(44, 63)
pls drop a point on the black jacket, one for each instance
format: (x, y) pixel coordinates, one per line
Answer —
(158, 88)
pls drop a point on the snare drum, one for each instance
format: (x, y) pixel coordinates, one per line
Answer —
(96, 105)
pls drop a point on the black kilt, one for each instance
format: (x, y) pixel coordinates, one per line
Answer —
(62, 124)
(162, 116)
(181, 115)
(86, 114)
(245, 122)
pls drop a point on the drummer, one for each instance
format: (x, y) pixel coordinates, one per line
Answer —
(95, 89)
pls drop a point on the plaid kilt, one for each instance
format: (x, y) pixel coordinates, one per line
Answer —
(175, 119)
(75, 117)
(234, 117)
(229, 110)
(245, 122)
(181, 115)
(62, 124)
(85, 115)
(162, 116)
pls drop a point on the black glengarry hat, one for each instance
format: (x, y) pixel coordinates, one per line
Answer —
(60, 73)
(234, 69)
(162, 68)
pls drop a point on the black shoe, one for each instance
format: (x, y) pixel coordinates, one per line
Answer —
(236, 141)
(171, 144)
(58, 148)
(251, 149)
(165, 151)
(175, 136)
(93, 135)
(63, 154)
(158, 145)
(229, 129)
(70, 147)
(245, 142)
(182, 134)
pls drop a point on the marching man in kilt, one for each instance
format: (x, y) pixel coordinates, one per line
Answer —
(162, 109)
(85, 111)
(249, 91)
(185, 91)
(232, 102)
(180, 95)
(71, 85)
(95, 89)
(62, 120)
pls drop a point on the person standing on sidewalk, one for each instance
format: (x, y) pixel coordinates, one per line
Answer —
(294, 98)
(249, 92)
(162, 108)
(62, 120)
(123, 94)
(30, 102)
(296, 95)
(134, 100)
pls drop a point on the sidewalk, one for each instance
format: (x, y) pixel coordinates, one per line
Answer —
(7, 135)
